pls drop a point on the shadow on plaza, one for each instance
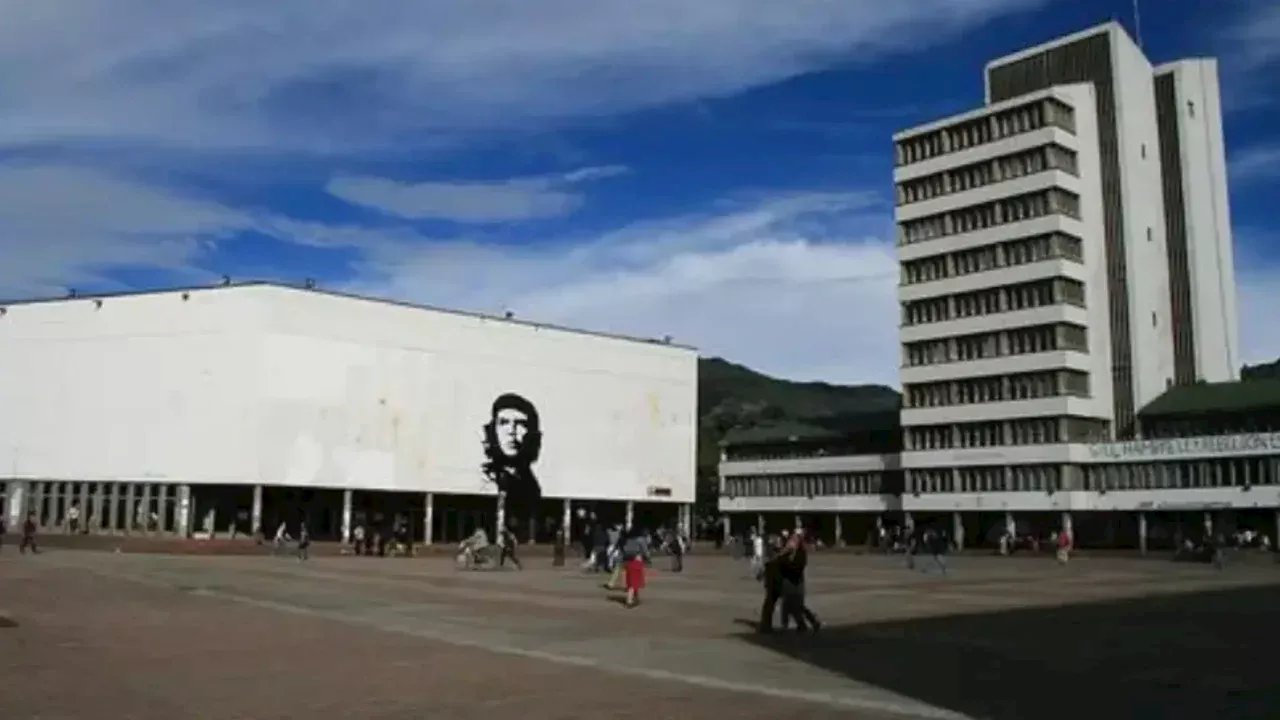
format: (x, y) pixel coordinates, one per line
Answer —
(1201, 655)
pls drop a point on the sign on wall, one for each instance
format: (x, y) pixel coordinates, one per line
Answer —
(1206, 446)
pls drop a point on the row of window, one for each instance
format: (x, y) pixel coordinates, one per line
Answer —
(991, 301)
(859, 483)
(1018, 478)
(997, 388)
(998, 433)
(988, 172)
(985, 129)
(1001, 343)
(1235, 472)
(1010, 253)
(1053, 201)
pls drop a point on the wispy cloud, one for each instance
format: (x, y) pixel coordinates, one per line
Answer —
(1254, 163)
(798, 284)
(323, 75)
(527, 198)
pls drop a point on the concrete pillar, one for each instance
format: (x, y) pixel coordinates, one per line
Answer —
(428, 519)
(726, 526)
(99, 522)
(839, 531)
(144, 513)
(1208, 523)
(799, 523)
(686, 520)
(1066, 525)
(84, 506)
(345, 527)
(35, 501)
(162, 508)
(502, 516)
(113, 504)
(130, 508)
(760, 523)
(53, 518)
(908, 521)
(255, 523)
(631, 514)
(566, 522)
(1142, 533)
(16, 497)
(957, 530)
(1010, 525)
(182, 512)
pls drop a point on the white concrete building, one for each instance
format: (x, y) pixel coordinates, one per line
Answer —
(157, 408)
(1066, 259)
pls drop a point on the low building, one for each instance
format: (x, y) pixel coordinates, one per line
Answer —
(237, 408)
(1208, 460)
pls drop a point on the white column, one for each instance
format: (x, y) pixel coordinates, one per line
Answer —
(99, 506)
(182, 518)
(1009, 525)
(145, 514)
(1142, 532)
(130, 512)
(429, 519)
(1066, 524)
(255, 523)
(162, 506)
(631, 514)
(1208, 523)
(839, 531)
(799, 523)
(686, 520)
(84, 506)
(726, 526)
(113, 508)
(15, 504)
(502, 515)
(957, 530)
(566, 522)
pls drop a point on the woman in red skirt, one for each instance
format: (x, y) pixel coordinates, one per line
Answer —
(633, 567)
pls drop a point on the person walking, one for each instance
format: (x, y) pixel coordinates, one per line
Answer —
(304, 542)
(507, 543)
(794, 566)
(29, 536)
(633, 563)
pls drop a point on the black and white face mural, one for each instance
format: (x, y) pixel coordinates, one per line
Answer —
(512, 446)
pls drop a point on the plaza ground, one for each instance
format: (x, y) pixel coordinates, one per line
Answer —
(146, 636)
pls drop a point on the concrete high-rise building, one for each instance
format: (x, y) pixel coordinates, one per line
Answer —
(1202, 283)
(1066, 258)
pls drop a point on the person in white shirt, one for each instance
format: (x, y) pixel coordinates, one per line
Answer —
(757, 554)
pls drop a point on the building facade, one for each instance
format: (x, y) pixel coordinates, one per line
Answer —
(1066, 260)
(246, 406)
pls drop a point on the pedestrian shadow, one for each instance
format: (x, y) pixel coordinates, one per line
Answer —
(1200, 655)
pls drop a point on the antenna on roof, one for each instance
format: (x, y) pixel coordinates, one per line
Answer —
(1137, 24)
(226, 280)
(309, 284)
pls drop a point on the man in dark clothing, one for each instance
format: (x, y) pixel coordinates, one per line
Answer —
(779, 575)
(29, 535)
(508, 541)
(793, 572)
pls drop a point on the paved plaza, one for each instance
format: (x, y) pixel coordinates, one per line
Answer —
(138, 636)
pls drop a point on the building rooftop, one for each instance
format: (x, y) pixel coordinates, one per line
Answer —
(783, 431)
(1216, 399)
(227, 285)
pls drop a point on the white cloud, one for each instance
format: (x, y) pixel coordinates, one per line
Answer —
(326, 75)
(472, 202)
(63, 225)
(800, 285)
(1254, 39)
(1255, 162)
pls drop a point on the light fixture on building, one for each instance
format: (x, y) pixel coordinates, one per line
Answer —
(508, 315)
(186, 296)
(97, 304)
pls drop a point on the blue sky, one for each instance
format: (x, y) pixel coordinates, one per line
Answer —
(716, 170)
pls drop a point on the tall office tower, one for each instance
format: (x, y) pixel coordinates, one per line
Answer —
(1202, 285)
(1005, 330)
(1166, 301)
